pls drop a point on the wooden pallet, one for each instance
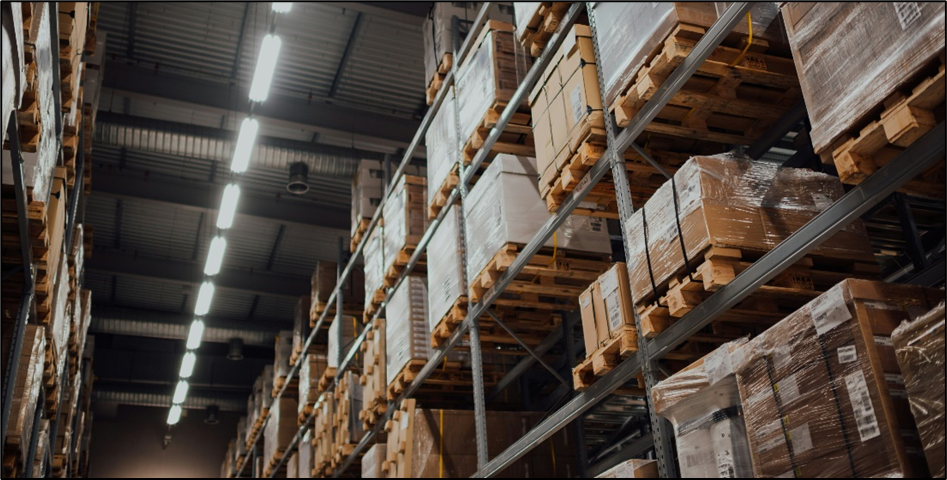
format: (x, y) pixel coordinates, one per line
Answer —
(606, 358)
(449, 322)
(769, 304)
(721, 103)
(360, 230)
(400, 262)
(449, 378)
(543, 22)
(373, 378)
(906, 117)
(437, 81)
(546, 282)
(273, 461)
(372, 307)
(280, 381)
(516, 139)
(442, 194)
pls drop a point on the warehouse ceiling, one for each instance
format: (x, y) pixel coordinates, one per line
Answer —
(348, 85)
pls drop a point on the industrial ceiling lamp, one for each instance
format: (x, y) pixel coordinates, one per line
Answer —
(236, 350)
(211, 417)
(298, 177)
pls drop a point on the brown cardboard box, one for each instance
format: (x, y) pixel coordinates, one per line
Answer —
(919, 346)
(633, 468)
(601, 315)
(560, 129)
(584, 104)
(588, 320)
(786, 377)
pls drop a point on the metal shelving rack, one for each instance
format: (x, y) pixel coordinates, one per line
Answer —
(27, 305)
(851, 206)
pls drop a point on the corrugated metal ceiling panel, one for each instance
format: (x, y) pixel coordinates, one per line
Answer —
(277, 310)
(153, 294)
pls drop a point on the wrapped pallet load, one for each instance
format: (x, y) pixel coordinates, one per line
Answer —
(505, 208)
(367, 192)
(324, 280)
(919, 346)
(37, 115)
(447, 287)
(406, 338)
(633, 468)
(29, 379)
(374, 254)
(14, 67)
(335, 350)
(443, 155)
(373, 460)
(347, 426)
(822, 393)
(439, 35)
(703, 404)
(300, 326)
(281, 366)
(240, 444)
(310, 377)
(304, 457)
(405, 215)
(279, 431)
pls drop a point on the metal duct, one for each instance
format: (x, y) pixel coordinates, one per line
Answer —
(145, 397)
(155, 328)
(170, 138)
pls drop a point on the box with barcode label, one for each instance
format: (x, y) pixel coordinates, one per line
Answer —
(822, 393)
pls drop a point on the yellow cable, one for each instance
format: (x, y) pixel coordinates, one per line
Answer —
(749, 42)
(440, 448)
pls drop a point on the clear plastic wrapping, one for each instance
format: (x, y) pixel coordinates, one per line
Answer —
(851, 56)
(14, 66)
(280, 427)
(920, 349)
(304, 457)
(374, 254)
(284, 350)
(504, 207)
(348, 326)
(446, 282)
(372, 461)
(42, 443)
(703, 404)
(405, 216)
(524, 12)
(488, 76)
(443, 151)
(59, 329)
(406, 333)
(726, 201)
(29, 378)
(437, 29)
(630, 32)
(40, 163)
(821, 390)
(310, 372)
(633, 468)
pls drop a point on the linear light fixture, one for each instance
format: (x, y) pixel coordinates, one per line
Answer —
(180, 393)
(195, 335)
(174, 415)
(244, 147)
(282, 7)
(228, 206)
(204, 297)
(215, 256)
(187, 364)
(265, 68)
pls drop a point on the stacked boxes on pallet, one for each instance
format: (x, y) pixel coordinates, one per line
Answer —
(374, 379)
(633, 468)
(300, 327)
(29, 379)
(258, 405)
(703, 404)
(240, 445)
(310, 376)
(281, 366)
(536, 22)
(405, 215)
(443, 155)
(348, 325)
(373, 460)
(485, 84)
(304, 457)
(374, 254)
(439, 36)
(14, 67)
(919, 346)
(279, 431)
(436, 443)
(367, 191)
(822, 393)
(447, 287)
(347, 427)
(856, 59)
(324, 280)
(406, 334)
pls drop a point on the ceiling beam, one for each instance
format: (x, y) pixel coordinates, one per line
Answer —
(411, 13)
(203, 197)
(150, 324)
(191, 273)
(279, 109)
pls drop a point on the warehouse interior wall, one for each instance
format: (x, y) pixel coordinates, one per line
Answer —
(128, 444)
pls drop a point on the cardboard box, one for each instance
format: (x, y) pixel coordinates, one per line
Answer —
(280, 428)
(438, 33)
(304, 457)
(606, 308)
(310, 373)
(405, 215)
(446, 283)
(852, 56)
(284, 349)
(919, 347)
(374, 255)
(795, 419)
(633, 468)
(29, 378)
(373, 460)
(406, 331)
(443, 150)
(349, 327)
(587, 311)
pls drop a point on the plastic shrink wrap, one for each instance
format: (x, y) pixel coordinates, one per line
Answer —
(920, 349)
(374, 254)
(630, 32)
(280, 428)
(524, 13)
(406, 333)
(488, 76)
(437, 29)
(443, 151)
(42, 443)
(822, 393)
(240, 445)
(14, 66)
(703, 404)
(504, 207)
(725, 201)
(446, 282)
(29, 378)
(633, 468)
(606, 308)
(405, 216)
(851, 56)
(348, 326)
(39, 160)
(284, 349)
(310, 373)
(304, 457)
(372, 461)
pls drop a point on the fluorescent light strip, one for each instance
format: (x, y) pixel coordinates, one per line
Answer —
(174, 415)
(204, 297)
(265, 67)
(228, 206)
(244, 147)
(282, 7)
(195, 335)
(180, 393)
(215, 256)
(187, 364)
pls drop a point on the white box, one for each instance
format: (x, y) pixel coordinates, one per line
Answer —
(446, 282)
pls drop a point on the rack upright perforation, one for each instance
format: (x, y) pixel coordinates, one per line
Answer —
(859, 200)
